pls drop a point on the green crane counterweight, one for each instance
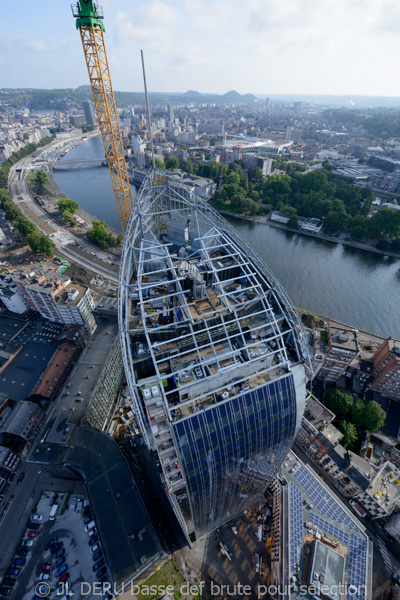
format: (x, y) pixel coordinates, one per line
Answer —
(89, 17)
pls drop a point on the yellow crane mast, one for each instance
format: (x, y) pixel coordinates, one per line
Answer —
(89, 17)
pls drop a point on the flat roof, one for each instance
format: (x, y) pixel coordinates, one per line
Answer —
(64, 299)
(316, 413)
(19, 417)
(326, 570)
(55, 368)
(19, 377)
(10, 327)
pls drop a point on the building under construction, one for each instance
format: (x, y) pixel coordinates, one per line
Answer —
(214, 355)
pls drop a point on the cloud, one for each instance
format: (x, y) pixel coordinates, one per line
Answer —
(42, 47)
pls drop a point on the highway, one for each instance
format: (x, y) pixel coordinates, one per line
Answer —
(63, 239)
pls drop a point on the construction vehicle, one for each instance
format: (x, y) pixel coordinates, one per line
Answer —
(89, 21)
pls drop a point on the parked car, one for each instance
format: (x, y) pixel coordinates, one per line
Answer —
(89, 526)
(34, 526)
(18, 562)
(396, 577)
(32, 534)
(97, 565)
(87, 520)
(15, 572)
(36, 517)
(50, 543)
(44, 576)
(94, 548)
(59, 562)
(26, 543)
(56, 547)
(93, 540)
(60, 552)
(97, 555)
(21, 552)
(92, 532)
(9, 581)
(61, 570)
(20, 478)
(53, 499)
(5, 591)
(47, 567)
(101, 572)
(64, 577)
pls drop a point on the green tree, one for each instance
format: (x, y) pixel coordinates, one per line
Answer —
(187, 166)
(67, 204)
(368, 414)
(349, 431)
(340, 402)
(100, 235)
(160, 164)
(327, 165)
(41, 179)
(171, 163)
(24, 226)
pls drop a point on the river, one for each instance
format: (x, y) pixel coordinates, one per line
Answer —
(353, 286)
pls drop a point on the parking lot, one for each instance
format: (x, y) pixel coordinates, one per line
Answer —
(56, 554)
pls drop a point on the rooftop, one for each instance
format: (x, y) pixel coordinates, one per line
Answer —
(327, 569)
(315, 514)
(54, 370)
(20, 376)
(385, 487)
(71, 295)
(317, 414)
(20, 417)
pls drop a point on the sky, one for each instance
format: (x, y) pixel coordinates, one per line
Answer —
(328, 47)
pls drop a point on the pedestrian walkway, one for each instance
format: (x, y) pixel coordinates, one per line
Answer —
(385, 554)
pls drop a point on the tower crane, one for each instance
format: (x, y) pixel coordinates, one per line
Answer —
(89, 21)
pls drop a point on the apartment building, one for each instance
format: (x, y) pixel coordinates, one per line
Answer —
(53, 295)
(386, 369)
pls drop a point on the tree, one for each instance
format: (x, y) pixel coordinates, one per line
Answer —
(41, 179)
(119, 239)
(171, 163)
(340, 402)
(187, 166)
(368, 414)
(160, 164)
(327, 165)
(349, 431)
(100, 235)
(39, 243)
(67, 204)
(24, 226)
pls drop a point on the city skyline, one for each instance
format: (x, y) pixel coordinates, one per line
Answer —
(212, 48)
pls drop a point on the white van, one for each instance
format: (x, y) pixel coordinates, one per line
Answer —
(53, 512)
(89, 526)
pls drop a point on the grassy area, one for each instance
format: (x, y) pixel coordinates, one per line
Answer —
(167, 575)
(31, 176)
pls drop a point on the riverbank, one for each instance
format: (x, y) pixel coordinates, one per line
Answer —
(265, 221)
(51, 209)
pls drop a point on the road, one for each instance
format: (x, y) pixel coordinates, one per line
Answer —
(63, 239)
(386, 557)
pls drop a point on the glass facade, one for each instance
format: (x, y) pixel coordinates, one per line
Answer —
(230, 452)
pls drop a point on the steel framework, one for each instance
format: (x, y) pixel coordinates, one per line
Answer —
(91, 30)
